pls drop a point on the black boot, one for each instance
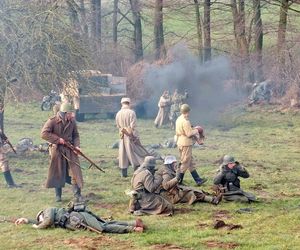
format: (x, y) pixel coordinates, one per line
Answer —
(199, 181)
(58, 192)
(181, 178)
(77, 193)
(9, 180)
(124, 172)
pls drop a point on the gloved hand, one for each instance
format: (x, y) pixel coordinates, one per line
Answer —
(178, 175)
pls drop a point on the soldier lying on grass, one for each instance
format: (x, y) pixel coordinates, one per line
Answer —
(78, 217)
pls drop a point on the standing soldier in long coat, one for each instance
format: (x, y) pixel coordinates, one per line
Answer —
(175, 193)
(176, 102)
(131, 152)
(64, 163)
(228, 178)
(146, 186)
(185, 134)
(164, 110)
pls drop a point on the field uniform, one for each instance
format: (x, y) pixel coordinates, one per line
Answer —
(228, 178)
(60, 217)
(145, 184)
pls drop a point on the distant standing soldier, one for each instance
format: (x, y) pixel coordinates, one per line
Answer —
(4, 163)
(131, 152)
(185, 134)
(146, 186)
(176, 100)
(64, 163)
(176, 193)
(164, 110)
(228, 177)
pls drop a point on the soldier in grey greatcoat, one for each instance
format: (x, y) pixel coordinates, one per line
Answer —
(175, 193)
(79, 218)
(131, 152)
(64, 163)
(146, 186)
(228, 177)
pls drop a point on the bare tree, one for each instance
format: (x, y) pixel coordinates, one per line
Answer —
(96, 27)
(281, 42)
(137, 33)
(206, 31)
(160, 50)
(199, 29)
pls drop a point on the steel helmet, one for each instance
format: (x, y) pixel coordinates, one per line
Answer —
(169, 159)
(228, 159)
(66, 107)
(185, 108)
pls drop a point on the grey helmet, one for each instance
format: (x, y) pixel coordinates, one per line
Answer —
(169, 159)
(228, 159)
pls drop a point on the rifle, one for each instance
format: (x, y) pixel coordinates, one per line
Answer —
(7, 219)
(5, 140)
(134, 139)
(74, 149)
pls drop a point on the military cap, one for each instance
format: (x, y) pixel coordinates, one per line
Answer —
(125, 99)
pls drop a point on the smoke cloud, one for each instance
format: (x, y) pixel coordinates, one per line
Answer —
(205, 84)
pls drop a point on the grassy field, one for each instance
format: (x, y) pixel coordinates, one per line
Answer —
(267, 143)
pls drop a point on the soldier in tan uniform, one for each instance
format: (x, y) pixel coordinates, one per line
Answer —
(131, 152)
(185, 136)
(175, 193)
(146, 186)
(164, 110)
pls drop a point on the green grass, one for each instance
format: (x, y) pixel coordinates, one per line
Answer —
(267, 143)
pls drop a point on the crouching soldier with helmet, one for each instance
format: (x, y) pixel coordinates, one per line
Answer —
(77, 217)
(228, 178)
(145, 197)
(176, 193)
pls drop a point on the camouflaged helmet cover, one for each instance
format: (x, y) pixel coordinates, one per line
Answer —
(66, 107)
(228, 159)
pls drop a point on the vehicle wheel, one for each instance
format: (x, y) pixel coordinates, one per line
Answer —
(46, 106)
(79, 116)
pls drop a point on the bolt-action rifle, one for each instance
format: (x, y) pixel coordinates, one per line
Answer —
(74, 149)
(5, 140)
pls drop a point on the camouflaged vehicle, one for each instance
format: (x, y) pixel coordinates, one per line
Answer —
(92, 92)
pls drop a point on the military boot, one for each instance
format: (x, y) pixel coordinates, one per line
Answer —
(9, 180)
(124, 172)
(199, 181)
(77, 193)
(58, 192)
(181, 175)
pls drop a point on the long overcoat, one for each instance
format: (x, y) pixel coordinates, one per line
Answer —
(130, 152)
(145, 183)
(162, 117)
(64, 163)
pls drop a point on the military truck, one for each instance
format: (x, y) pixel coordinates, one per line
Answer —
(93, 92)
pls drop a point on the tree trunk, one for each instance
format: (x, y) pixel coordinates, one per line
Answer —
(115, 22)
(96, 22)
(243, 65)
(206, 31)
(83, 17)
(258, 41)
(281, 43)
(73, 15)
(159, 30)
(138, 35)
(199, 30)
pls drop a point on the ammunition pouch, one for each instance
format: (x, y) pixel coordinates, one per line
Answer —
(63, 220)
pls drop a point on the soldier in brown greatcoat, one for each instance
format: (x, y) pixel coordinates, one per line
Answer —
(64, 163)
(145, 183)
(131, 152)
